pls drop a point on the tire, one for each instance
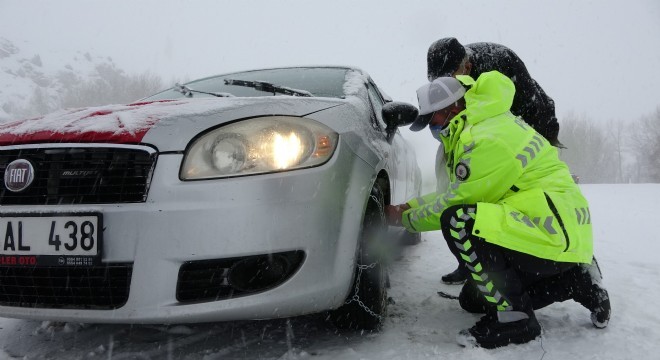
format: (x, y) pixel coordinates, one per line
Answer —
(366, 304)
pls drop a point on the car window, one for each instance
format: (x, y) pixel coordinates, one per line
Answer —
(377, 104)
(320, 81)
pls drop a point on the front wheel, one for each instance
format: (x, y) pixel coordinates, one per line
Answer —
(366, 305)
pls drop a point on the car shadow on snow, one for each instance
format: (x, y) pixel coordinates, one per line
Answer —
(265, 339)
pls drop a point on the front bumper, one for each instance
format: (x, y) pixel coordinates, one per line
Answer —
(318, 211)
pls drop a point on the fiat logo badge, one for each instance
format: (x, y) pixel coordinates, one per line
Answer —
(19, 174)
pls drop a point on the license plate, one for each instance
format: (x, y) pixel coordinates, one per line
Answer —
(50, 239)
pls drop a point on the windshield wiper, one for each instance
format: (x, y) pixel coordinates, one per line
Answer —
(188, 92)
(268, 87)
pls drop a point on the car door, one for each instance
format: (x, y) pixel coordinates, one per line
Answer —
(401, 171)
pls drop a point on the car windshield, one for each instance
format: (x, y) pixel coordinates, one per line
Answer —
(319, 81)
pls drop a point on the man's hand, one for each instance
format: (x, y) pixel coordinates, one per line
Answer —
(394, 213)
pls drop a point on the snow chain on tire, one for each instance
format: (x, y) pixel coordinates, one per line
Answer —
(365, 306)
(356, 297)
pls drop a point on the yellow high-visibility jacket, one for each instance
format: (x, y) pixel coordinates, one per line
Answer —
(526, 198)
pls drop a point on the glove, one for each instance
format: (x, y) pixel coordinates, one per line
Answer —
(394, 213)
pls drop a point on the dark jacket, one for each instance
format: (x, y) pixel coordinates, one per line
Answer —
(530, 101)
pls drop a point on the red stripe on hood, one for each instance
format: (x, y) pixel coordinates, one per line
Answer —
(67, 135)
(80, 126)
(74, 137)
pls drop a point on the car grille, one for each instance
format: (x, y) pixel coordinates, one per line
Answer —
(210, 280)
(101, 287)
(81, 175)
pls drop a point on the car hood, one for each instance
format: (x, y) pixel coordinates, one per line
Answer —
(168, 124)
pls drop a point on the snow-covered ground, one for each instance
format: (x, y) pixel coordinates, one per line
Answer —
(420, 324)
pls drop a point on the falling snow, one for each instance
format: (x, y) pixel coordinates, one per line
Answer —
(420, 324)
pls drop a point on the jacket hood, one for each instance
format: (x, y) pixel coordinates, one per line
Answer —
(490, 95)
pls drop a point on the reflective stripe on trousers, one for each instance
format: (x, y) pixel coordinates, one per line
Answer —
(457, 223)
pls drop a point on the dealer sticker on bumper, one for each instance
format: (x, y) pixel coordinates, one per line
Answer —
(50, 239)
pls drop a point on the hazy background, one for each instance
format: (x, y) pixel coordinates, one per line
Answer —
(598, 59)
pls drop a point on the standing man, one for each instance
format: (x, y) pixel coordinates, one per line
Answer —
(447, 57)
(512, 214)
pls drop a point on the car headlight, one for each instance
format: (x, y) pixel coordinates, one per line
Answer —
(257, 146)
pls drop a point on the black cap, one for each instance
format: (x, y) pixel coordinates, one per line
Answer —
(444, 57)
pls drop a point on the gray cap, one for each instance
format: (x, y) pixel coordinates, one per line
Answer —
(434, 96)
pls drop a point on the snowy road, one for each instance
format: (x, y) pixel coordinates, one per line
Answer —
(420, 325)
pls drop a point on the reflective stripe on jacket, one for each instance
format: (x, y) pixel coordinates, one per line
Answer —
(526, 198)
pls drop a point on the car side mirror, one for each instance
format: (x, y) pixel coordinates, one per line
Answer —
(396, 114)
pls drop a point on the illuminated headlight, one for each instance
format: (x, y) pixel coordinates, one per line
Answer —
(257, 146)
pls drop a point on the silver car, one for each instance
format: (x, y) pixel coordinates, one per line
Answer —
(248, 195)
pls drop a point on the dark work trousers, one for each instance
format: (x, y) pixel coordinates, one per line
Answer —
(500, 279)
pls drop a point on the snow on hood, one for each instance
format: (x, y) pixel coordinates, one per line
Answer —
(110, 123)
(130, 123)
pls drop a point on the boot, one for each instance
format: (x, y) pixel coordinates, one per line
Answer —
(600, 314)
(583, 284)
(591, 294)
(514, 321)
(493, 331)
(456, 277)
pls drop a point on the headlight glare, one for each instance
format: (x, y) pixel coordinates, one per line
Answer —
(257, 146)
(287, 150)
